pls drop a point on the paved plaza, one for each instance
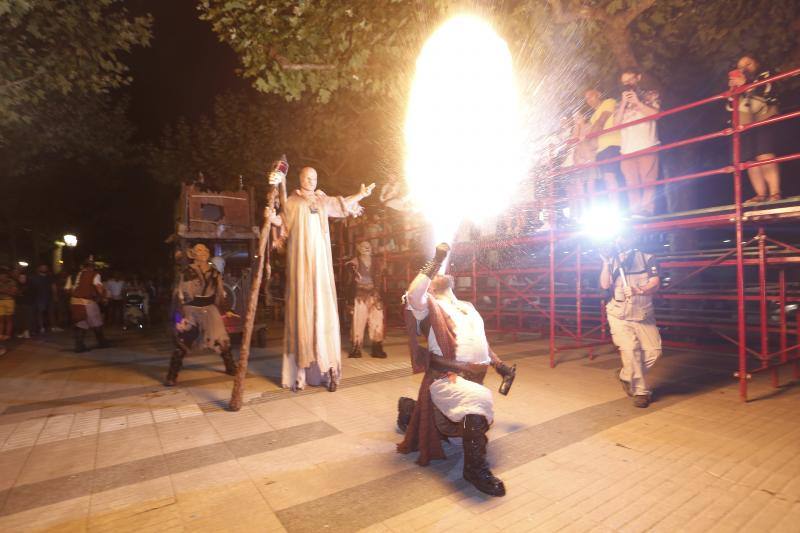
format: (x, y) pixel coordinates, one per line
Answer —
(94, 442)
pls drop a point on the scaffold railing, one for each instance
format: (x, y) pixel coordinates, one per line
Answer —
(545, 283)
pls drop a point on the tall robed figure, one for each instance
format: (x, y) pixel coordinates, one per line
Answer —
(312, 343)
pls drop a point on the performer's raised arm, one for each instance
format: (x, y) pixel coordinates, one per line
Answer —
(418, 290)
(342, 206)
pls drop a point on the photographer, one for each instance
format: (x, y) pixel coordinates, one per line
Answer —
(757, 104)
(632, 278)
(638, 102)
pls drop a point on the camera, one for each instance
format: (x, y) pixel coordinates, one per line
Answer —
(631, 88)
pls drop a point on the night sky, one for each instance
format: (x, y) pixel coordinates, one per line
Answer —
(181, 72)
(178, 75)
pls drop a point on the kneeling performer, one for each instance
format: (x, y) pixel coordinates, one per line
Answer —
(452, 400)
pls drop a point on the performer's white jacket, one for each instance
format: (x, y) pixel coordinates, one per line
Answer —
(464, 397)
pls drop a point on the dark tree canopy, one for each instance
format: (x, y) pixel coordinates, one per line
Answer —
(358, 56)
(313, 49)
(64, 48)
(59, 61)
(246, 131)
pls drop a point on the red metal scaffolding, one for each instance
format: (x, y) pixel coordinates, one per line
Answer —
(552, 287)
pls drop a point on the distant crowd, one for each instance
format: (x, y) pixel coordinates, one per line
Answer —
(34, 303)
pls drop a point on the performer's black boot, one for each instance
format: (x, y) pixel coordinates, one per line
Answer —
(332, 386)
(80, 344)
(175, 364)
(476, 470)
(355, 352)
(377, 350)
(101, 338)
(405, 408)
(230, 366)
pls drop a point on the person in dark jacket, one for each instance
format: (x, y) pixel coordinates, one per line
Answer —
(24, 306)
(755, 105)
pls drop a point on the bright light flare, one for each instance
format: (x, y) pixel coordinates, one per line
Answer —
(601, 223)
(463, 127)
(70, 240)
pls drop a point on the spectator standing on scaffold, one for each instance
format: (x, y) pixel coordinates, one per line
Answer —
(607, 145)
(759, 103)
(638, 101)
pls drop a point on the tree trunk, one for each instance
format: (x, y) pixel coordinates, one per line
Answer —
(619, 40)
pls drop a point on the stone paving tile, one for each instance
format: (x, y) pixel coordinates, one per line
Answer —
(69, 515)
(50, 489)
(106, 364)
(128, 445)
(81, 400)
(246, 422)
(573, 452)
(214, 498)
(5, 431)
(56, 428)
(790, 520)
(284, 413)
(138, 503)
(317, 468)
(85, 423)
(186, 433)
(58, 459)
(25, 434)
(11, 464)
(506, 452)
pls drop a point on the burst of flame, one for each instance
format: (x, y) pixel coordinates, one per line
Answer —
(463, 132)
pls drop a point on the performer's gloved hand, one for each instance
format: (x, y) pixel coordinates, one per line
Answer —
(505, 370)
(430, 268)
(509, 374)
(442, 249)
(275, 178)
(366, 190)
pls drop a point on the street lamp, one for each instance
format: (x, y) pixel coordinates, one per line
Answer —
(70, 241)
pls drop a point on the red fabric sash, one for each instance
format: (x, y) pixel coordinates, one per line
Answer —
(421, 434)
(77, 313)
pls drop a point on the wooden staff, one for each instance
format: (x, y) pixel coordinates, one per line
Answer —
(263, 264)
